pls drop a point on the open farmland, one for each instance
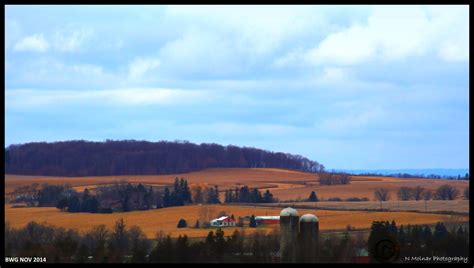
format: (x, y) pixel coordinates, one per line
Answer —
(284, 184)
(438, 206)
(153, 221)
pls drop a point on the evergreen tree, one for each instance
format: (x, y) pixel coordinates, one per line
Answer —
(313, 197)
(267, 197)
(253, 222)
(119, 240)
(183, 253)
(187, 193)
(237, 196)
(216, 195)
(220, 244)
(74, 204)
(226, 196)
(167, 198)
(182, 223)
(440, 231)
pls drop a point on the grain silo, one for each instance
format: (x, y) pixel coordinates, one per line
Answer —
(308, 239)
(289, 223)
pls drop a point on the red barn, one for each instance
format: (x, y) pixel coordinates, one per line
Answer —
(267, 220)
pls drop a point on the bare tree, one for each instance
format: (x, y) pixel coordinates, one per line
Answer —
(381, 195)
(405, 193)
(96, 240)
(427, 195)
(417, 192)
(344, 179)
(446, 192)
(206, 213)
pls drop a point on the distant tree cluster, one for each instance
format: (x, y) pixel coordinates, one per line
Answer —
(119, 196)
(130, 157)
(333, 179)
(423, 176)
(180, 195)
(446, 192)
(245, 195)
(407, 193)
(76, 202)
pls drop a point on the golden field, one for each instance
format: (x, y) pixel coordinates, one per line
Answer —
(284, 184)
(460, 206)
(166, 219)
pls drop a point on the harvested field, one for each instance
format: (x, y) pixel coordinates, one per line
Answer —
(284, 184)
(166, 219)
(439, 206)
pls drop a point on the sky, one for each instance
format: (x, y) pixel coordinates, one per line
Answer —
(352, 87)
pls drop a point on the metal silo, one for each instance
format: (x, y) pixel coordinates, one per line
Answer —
(308, 241)
(289, 223)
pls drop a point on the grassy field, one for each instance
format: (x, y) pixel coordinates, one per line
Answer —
(284, 184)
(459, 206)
(165, 220)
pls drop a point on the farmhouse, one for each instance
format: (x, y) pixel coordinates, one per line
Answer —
(267, 220)
(223, 221)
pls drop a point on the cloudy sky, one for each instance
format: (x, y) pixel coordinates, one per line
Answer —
(369, 87)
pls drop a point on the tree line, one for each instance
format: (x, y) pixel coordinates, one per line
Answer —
(245, 195)
(443, 192)
(334, 179)
(423, 176)
(131, 157)
(124, 196)
(125, 243)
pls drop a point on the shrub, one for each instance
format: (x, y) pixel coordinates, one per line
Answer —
(182, 223)
(357, 199)
(335, 199)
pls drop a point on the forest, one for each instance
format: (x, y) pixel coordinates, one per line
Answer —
(131, 157)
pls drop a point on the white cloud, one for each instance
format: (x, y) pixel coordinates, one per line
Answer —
(141, 66)
(35, 42)
(27, 98)
(331, 74)
(87, 69)
(236, 129)
(258, 30)
(70, 38)
(393, 33)
(200, 52)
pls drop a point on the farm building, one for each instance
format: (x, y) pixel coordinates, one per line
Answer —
(223, 221)
(263, 220)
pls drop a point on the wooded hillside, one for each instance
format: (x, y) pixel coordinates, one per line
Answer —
(131, 157)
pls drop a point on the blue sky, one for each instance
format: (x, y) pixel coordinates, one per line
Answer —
(366, 87)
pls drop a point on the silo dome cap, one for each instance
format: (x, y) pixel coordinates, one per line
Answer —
(289, 212)
(309, 218)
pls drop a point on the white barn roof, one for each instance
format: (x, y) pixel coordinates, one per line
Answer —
(267, 217)
(220, 219)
